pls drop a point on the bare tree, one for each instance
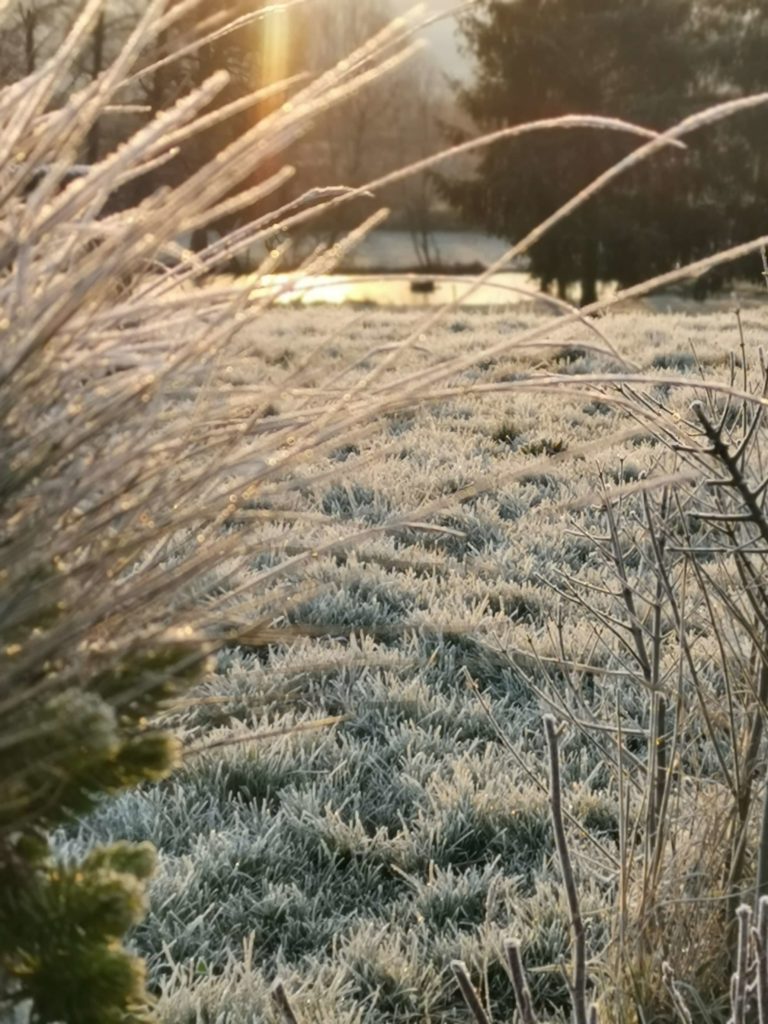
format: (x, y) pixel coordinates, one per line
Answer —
(420, 134)
(29, 32)
(347, 146)
(390, 122)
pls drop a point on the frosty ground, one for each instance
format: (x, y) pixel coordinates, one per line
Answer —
(357, 860)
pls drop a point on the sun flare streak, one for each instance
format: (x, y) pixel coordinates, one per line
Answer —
(275, 56)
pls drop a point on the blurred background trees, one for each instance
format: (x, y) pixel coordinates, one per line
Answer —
(372, 132)
(391, 123)
(648, 61)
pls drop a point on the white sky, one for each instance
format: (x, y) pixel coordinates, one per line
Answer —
(442, 36)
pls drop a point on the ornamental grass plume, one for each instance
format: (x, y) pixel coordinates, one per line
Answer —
(128, 443)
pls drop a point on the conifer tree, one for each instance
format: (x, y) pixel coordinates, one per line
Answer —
(632, 59)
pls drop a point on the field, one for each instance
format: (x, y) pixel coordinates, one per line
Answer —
(472, 589)
(318, 601)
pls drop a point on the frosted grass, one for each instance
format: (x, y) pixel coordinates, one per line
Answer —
(357, 861)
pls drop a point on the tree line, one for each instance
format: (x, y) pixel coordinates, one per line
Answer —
(390, 123)
(652, 62)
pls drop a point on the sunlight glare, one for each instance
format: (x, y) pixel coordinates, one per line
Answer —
(275, 56)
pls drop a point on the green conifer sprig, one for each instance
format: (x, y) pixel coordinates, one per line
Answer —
(65, 954)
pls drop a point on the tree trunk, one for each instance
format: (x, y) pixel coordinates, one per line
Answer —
(159, 88)
(29, 18)
(97, 66)
(589, 272)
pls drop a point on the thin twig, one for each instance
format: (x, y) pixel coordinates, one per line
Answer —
(740, 976)
(469, 992)
(579, 956)
(761, 944)
(678, 1002)
(519, 982)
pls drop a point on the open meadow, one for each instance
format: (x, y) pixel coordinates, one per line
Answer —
(364, 792)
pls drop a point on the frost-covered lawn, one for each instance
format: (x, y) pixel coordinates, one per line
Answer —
(357, 860)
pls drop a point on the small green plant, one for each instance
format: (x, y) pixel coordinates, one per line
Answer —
(507, 433)
(64, 956)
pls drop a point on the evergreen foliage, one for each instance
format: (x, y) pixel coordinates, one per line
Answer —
(62, 924)
(652, 63)
(61, 947)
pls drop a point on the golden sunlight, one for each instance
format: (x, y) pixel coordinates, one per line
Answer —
(274, 61)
